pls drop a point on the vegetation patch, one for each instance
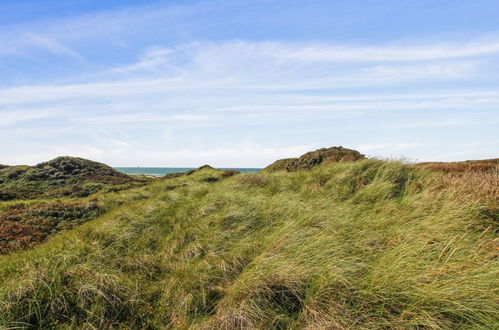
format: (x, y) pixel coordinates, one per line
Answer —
(485, 165)
(23, 226)
(253, 179)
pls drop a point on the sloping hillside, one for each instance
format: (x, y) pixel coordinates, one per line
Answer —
(345, 245)
(24, 224)
(62, 176)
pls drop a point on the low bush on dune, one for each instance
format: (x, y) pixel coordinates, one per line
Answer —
(229, 173)
(253, 179)
(314, 158)
(368, 244)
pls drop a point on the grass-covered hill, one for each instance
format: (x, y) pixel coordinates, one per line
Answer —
(62, 176)
(369, 244)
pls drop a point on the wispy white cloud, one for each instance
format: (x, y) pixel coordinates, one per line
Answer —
(465, 119)
(388, 53)
(432, 70)
(106, 119)
(232, 56)
(12, 117)
(109, 27)
(51, 45)
(152, 59)
(481, 144)
(242, 67)
(388, 147)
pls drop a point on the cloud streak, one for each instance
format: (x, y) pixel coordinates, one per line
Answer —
(51, 45)
(263, 67)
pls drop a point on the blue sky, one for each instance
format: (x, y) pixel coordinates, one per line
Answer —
(242, 83)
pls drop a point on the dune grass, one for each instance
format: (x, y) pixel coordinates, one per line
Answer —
(364, 245)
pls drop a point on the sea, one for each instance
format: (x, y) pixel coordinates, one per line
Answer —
(160, 171)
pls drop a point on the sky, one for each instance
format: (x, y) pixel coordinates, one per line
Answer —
(243, 83)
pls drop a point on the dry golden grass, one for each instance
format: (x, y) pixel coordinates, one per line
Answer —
(486, 165)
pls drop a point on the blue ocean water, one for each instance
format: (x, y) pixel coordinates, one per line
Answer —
(160, 171)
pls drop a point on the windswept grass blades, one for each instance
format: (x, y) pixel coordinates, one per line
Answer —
(368, 244)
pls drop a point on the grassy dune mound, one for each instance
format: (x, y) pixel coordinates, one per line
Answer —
(314, 158)
(345, 245)
(62, 176)
(66, 167)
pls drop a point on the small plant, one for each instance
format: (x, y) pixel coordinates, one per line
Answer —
(253, 179)
(229, 173)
